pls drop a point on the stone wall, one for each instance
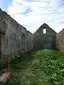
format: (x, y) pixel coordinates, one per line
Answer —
(44, 41)
(30, 39)
(60, 40)
(13, 37)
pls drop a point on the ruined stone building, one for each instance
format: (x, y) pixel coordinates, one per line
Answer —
(45, 38)
(14, 38)
(60, 40)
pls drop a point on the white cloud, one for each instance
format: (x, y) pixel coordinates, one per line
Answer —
(33, 13)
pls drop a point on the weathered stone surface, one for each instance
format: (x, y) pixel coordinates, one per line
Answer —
(13, 37)
(30, 41)
(44, 40)
(60, 40)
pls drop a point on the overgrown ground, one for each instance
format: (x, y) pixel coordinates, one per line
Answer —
(38, 68)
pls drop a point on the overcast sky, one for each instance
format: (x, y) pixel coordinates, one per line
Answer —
(33, 13)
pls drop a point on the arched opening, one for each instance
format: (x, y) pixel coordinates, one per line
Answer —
(0, 46)
(1, 34)
(23, 41)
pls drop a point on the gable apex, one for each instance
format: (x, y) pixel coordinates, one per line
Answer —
(44, 25)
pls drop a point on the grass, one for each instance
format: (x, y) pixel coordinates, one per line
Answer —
(38, 68)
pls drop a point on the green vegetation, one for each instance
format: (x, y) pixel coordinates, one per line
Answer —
(38, 68)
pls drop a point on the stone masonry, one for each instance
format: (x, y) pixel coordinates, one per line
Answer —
(60, 40)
